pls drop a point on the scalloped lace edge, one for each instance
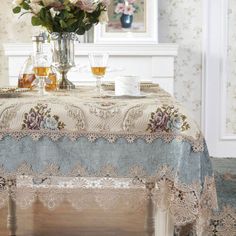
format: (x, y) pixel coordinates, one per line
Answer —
(185, 201)
(196, 144)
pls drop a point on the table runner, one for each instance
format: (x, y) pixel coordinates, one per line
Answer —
(150, 140)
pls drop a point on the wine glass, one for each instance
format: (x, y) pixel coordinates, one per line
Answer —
(41, 70)
(98, 64)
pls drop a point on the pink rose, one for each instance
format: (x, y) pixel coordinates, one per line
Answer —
(131, 1)
(129, 10)
(57, 6)
(120, 7)
(87, 5)
(159, 121)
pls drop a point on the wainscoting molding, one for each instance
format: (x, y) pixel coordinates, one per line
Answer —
(215, 76)
(150, 62)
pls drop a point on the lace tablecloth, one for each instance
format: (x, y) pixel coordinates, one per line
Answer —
(147, 142)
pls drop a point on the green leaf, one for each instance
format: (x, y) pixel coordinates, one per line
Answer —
(80, 31)
(16, 10)
(25, 6)
(63, 24)
(65, 15)
(67, 7)
(70, 16)
(49, 27)
(42, 13)
(88, 27)
(71, 22)
(36, 21)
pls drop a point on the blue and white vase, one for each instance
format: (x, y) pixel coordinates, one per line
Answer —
(126, 21)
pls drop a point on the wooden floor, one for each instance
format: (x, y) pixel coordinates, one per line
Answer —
(39, 221)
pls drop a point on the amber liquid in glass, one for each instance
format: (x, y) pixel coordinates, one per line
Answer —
(51, 82)
(98, 71)
(26, 80)
(41, 71)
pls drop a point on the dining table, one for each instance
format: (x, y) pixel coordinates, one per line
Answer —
(82, 147)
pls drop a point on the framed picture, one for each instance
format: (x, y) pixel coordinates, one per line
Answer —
(130, 21)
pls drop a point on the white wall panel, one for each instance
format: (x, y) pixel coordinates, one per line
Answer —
(149, 62)
(215, 80)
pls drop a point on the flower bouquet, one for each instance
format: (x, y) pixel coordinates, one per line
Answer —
(64, 20)
(75, 16)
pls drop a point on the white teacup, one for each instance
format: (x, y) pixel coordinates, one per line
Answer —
(127, 85)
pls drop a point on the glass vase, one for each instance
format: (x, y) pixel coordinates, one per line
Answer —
(63, 56)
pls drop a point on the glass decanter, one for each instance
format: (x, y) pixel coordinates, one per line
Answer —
(27, 75)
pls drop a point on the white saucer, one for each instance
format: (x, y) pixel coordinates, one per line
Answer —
(141, 95)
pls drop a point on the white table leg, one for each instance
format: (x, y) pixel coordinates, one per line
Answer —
(11, 216)
(202, 223)
(149, 224)
(164, 225)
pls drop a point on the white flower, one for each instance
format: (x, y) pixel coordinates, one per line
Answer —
(35, 7)
(17, 2)
(48, 2)
(73, 1)
(86, 20)
(103, 18)
(53, 12)
(175, 123)
(50, 123)
(35, 1)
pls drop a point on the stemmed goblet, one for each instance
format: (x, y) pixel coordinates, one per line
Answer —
(98, 64)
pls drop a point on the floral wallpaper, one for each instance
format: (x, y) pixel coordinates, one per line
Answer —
(12, 30)
(180, 22)
(231, 83)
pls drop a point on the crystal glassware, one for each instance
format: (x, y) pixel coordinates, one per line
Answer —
(27, 75)
(98, 64)
(41, 69)
(51, 81)
(63, 58)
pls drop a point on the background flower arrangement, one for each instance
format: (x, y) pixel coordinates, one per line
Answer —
(127, 7)
(64, 15)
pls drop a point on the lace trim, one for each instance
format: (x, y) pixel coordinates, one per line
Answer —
(197, 144)
(107, 189)
(220, 223)
(223, 223)
(185, 202)
(89, 195)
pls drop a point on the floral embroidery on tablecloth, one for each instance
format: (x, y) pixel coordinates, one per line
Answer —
(75, 116)
(169, 119)
(40, 117)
